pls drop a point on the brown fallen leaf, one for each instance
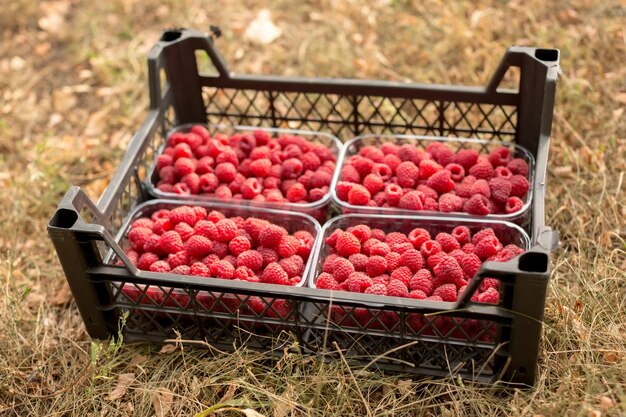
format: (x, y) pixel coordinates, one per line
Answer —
(162, 400)
(123, 382)
(620, 97)
(137, 360)
(249, 412)
(168, 348)
(229, 394)
(63, 296)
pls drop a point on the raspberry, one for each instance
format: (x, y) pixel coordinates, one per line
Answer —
(373, 183)
(271, 236)
(448, 242)
(397, 288)
(413, 200)
(466, 158)
(373, 153)
(205, 228)
(519, 186)
(457, 171)
(192, 181)
(393, 194)
(262, 137)
(422, 281)
(269, 255)
(181, 270)
(380, 248)
(288, 246)
(231, 260)
(441, 181)
(407, 173)
(376, 265)
(389, 148)
(362, 232)
(311, 161)
(138, 237)
(239, 245)
(429, 248)
(376, 289)
(434, 298)
(408, 152)
(292, 168)
(482, 170)
(383, 171)
(329, 263)
(478, 236)
(362, 165)
(198, 246)
(400, 248)
(251, 188)
(487, 247)
(347, 244)
(292, 151)
(181, 188)
(199, 269)
(502, 172)
(381, 279)
(133, 257)
(243, 273)
(254, 227)
(296, 193)
(326, 281)
(468, 248)
(143, 222)
(403, 274)
(378, 234)
(500, 189)
(160, 266)
(358, 282)
(499, 156)
(163, 161)
(478, 205)
(489, 283)
(171, 242)
(260, 167)
(447, 292)
(228, 155)
(461, 234)
(208, 183)
(183, 214)
(226, 230)
(358, 195)
(412, 259)
(417, 294)
(251, 259)
(293, 265)
(418, 236)
(427, 168)
(152, 245)
(183, 166)
(225, 172)
(321, 178)
(184, 230)
(518, 166)
(491, 296)
(342, 189)
(432, 261)
(449, 203)
(395, 237)
(359, 261)
(448, 270)
(167, 175)
(145, 260)
(177, 259)
(393, 260)
(222, 269)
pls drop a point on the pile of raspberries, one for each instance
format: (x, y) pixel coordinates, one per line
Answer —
(416, 265)
(188, 240)
(435, 179)
(251, 166)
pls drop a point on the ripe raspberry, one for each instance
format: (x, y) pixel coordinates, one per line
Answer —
(433, 260)
(347, 244)
(292, 168)
(457, 171)
(448, 242)
(325, 281)
(239, 245)
(503, 172)
(205, 228)
(407, 173)
(491, 296)
(167, 175)
(377, 289)
(251, 188)
(208, 183)
(160, 266)
(397, 288)
(243, 273)
(181, 270)
(251, 259)
(226, 230)
(184, 230)
(260, 167)
(482, 170)
(254, 227)
(468, 248)
(181, 188)
(219, 248)
(132, 255)
(393, 194)
(480, 235)
(403, 274)
(429, 248)
(412, 259)
(198, 246)
(383, 171)
(306, 243)
(359, 261)
(466, 158)
(231, 260)
(480, 187)
(205, 165)
(378, 234)
(417, 295)
(271, 236)
(449, 203)
(396, 237)
(143, 222)
(519, 186)
(362, 232)
(152, 245)
(408, 152)
(358, 195)
(447, 271)
(183, 166)
(362, 165)
(413, 200)
(342, 189)
(461, 234)
(478, 205)
(183, 214)
(293, 265)
(145, 260)
(329, 263)
(381, 279)
(376, 265)
(177, 259)
(373, 153)
(400, 248)
(358, 282)
(171, 242)
(164, 160)
(487, 247)
(311, 161)
(447, 292)
(269, 255)
(500, 189)
(518, 166)
(380, 248)
(223, 192)
(489, 283)
(389, 148)
(427, 168)
(192, 181)
(434, 298)
(422, 281)
(138, 237)
(441, 182)
(393, 260)
(418, 236)
(431, 204)
(297, 193)
(499, 156)
(321, 178)
(222, 269)
(373, 183)
(199, 269)
(288, 246)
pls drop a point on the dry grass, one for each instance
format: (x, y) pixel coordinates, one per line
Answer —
(72, 90)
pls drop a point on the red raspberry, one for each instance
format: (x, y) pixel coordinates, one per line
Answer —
(461, 234)
(321, 178)
(293, 265)
(434, 298)
(499, 156)
(448, 270)
(160, 266)
(205, 165)
(329, 263)
(226, 230)
(396, 237)
(389, 148)
(373, 183)
(178, 259)
(358, 282)
(200, 212)
(180, 188)
(222, 269)
(225, 172)
(413, 200)
(518, 166)
(417, 294)
(194, 139)
(482, 170)
(408, 152)
(502, 172)
(326, 281)
(138, 237)
(145, 260)
(392, 161)
(231, 260)
(422, 281)
(269, 255)
(468, 248)
(198, 246)
(380, 248)
(262, 137)
(163, 161)
(464, 188)
(466, 158)
(432, 261)
(489, 283)
(383, 171)
(457, 171)
(342, 189)
(291, 150)
(306, 243)
(448, 242)
(359, 261)
(393, 194)
(427, 168)
(251, 188)
(378, 234)
(519, 186)
(491, 296)
(431, 204)
(296, 193)
(362, 165)
(376, 265)
(372, 152)
(208, 183)
(243, 273)
(254, 227)
(377, 289)
(239, 245)
(274, 274)
(400, 248)
(478, 205)
(260, 167)
(403, 274)
(192, 181)
(449, 203)
(368, 245)
(292, 168)
(393, 260)
(181, 270)
(358, 195)
(381, 279)
(442, 154)
(429, 248)
(183, 166)
(184, 230)
(362, 232)
(418, 236)
(271, 236)
(152, 245)
(311, 161)
(199, 269)
(143, 222)
(167, 175)
(500, 189)
(171, 242)
(478, 236)
(183, 214)
(347, 244)
(447, 292)
(397, 288)
(288, 246)
(487, 247)
(205, 228)
(441, 181)
(412, 259)
(228, 155)
(458, 254)
(332, 239)
(251, 259)
(407, 173)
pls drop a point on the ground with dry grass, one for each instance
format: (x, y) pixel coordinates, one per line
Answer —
(73, 89)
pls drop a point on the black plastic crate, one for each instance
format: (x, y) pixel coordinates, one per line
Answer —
(82, 232)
